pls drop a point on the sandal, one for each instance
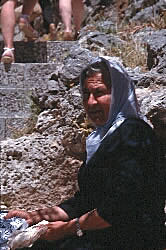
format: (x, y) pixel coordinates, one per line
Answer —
(25, 26)
(67, 36)
(8, 56)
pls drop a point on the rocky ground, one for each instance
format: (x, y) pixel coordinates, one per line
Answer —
(39, 167)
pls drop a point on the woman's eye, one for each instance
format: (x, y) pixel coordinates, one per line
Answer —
(99, 93)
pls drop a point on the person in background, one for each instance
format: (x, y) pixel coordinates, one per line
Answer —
(69, 9)
(8, 21)
(49, 24)
(118, 204)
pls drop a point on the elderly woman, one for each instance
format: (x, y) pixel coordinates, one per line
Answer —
(118, 205)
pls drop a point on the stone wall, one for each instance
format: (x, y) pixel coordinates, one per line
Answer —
(35, 64)
(41, 140)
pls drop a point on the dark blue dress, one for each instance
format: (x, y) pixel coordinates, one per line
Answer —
(123, 182)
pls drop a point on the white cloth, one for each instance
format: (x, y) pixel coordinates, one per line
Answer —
(26, 238)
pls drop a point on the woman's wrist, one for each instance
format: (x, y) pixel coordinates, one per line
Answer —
(71, 227)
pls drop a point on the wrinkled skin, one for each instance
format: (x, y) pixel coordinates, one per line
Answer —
(96, 99)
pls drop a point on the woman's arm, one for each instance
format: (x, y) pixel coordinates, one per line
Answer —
(92, 221)
(89, 221)
(60, 225)
(50, 214)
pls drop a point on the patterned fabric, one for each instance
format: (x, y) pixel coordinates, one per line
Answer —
(7, 227)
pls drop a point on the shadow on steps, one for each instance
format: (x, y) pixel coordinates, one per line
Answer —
(29, 52)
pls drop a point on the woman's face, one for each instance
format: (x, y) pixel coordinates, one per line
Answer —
(96, 99)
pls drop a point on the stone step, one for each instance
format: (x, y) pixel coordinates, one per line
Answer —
(40, 52)
(35, 63)
(16, 85)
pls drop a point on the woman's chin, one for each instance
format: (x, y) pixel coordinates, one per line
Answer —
(98, 122)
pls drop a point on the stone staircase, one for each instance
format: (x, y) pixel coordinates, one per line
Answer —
(35, 63)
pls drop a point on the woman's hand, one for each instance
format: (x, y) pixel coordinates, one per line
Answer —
(22, 214)
(50, 214)
(56, 231)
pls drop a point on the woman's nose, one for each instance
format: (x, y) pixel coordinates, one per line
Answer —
(92, 100)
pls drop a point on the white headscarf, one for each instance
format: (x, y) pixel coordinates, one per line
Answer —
(123, 105)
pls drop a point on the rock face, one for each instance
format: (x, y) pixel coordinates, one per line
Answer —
(32, 166)
(43, 124)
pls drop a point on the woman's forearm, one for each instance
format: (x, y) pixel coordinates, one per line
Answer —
(88, 221)
(60, 229)
(92, 221)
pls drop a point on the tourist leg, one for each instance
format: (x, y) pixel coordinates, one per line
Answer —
(65, 9)
(48, 21)
(24, 22)
(8, 21)
(78, 13)
(47, 12)
(28, 7)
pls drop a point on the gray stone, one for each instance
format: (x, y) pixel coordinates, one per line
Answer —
(2, 129)
(12, 77)
(14, 103)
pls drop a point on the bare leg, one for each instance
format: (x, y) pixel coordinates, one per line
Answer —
(24, 22)
(52, 30)
(66, 13)
(28, 6)
(78, 12)
(8, 21)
